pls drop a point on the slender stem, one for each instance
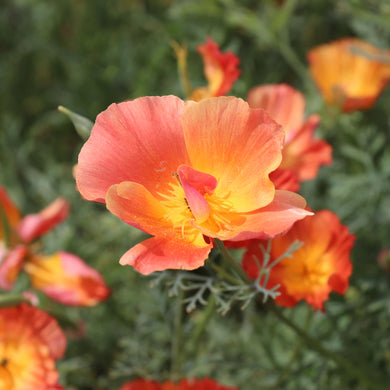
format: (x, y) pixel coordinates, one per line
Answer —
(201, 326)
(353, 371)
(12, 300)
(177, 336)
(231, 262)
(297, 349)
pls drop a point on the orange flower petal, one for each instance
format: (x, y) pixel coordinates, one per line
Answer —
(33, 226)
(321, 265)
(67, 279)
(11, 212)
(30, 343)
(221, 71)
(349, 72)
(160, 253)
(272, 220)
(143, 142)
(304, 154)
(11, 263)
(184, 384)
(283, 103)
(238, 146)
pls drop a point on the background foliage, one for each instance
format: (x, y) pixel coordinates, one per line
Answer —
(87, 54)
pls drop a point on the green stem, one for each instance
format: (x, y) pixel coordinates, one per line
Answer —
(201, 326)
(177, 336)
(12, 300)
(352, 370)
(297, 349)
(231, 262)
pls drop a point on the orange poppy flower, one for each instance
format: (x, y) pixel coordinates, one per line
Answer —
(350, 73)
(302, 153)
(186, 172)
(221, 71)
(63, 277)
(30, 343)
(184, 384)
(321, 265)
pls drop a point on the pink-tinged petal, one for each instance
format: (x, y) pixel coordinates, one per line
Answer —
(202, 182)
(237, 145)
(10, 211)
(283, 103)
(139, 141)
(11, 263)
(33, 226)
(274, 219)
(67, 279)
(160, 253)
(195, 184)
(135, 205)
(304, 154)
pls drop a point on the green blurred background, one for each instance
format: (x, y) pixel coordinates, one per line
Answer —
(86, 54)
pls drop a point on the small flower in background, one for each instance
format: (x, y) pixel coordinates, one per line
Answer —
(63, 277)
(350, 73)
(221, 71)
(384, 259)
(30, 343)
(184, 384)
(302, 154)
(186, 173)
(321, 265)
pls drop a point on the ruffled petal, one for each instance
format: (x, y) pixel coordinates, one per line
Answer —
(135, 205)
(32, 342)
(283, 103)
(33, 226)
(238, 146)
(274, 219)
(67, 279)
(139, 141)
(160, 253)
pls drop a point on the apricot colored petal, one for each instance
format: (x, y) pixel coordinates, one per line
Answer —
(202, 182)
(33, 226)
(274, 219)
(160, 253)
(221, 71)
(33, 341)
(238, 146)
(11, 212)
(11, 263)
(283, 103)
(67, 279)
(139, 141)
(304, 154)
(135, 205)
(349, 72)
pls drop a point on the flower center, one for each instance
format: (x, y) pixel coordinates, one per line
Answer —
(194, 207)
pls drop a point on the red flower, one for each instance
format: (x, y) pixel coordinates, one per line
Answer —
(221, 71)
(30, 343)
(302, 154)
(185, 384)
(321, 265)
(185, 171)
(350, 73)
(63, 277)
